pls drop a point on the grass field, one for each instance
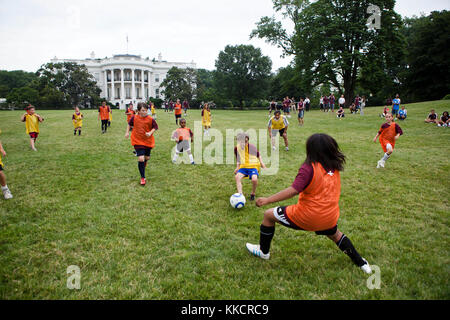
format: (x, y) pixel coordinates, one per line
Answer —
(77, 201)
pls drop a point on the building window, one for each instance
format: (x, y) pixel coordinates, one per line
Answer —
(146, 77)
(146, 92)
(156, 77)
(128, 93)
(128, 76)
(137, 93)
(157, 93)
(108, 76)
(108, 94)
(118, 93)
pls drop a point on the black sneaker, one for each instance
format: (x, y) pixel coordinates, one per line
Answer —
(252, 197)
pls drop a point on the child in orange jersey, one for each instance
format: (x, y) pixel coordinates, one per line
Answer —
(103, 115)
(5, 190)
(130, 113)
(32, 119)
(178, 111)
(142, 138)
(389, 133)
(318, 183)
(182, 136)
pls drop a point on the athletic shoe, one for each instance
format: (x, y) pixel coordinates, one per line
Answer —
(7, 194)
(366, 267)
(256, 251)
(274, 148)
(192, 162)
(252, 197)
(380, 164)
(34, 149)
(143, 181)
(287, 148)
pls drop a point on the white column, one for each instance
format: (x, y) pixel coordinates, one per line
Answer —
(143, 85)
(106, 84)
(122, 85)
(113, 92)
(133, 87)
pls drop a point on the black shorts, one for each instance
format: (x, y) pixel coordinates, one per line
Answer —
(142, 151)
(177, 116)
(282, 218)
(282, 131)
(1, 168)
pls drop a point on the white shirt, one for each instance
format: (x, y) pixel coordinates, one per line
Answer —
(341, 100)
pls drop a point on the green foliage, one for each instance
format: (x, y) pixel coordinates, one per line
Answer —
(180, 84)
(73, 80)
(331, 42)
(447, 97)
(428, 57)
(242, 73)
(10, 80)
(156, 101)
(20, 97)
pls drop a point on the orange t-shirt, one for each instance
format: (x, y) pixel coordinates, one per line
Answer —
(130, 115)
(104, 112)
(178, 109)
(183, 134)
(387, 135)
(141, 125)
(318, 205)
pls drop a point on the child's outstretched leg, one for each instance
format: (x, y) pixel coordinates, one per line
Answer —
(266, 233)
(254, 185)
(386, 156)
(346, 246)
(141, 166)
(32, 144)
(6, 192)
(286, 143)
(191, 157)
(238, 177)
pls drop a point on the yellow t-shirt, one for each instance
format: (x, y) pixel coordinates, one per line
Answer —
(206, 117)
(32, 123)
(248, 158)
(278, 124)
(77, 120)
(153, 110)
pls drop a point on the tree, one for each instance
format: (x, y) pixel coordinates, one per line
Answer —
(242, 73)
(73, 80)
(428, 57)
(331, 41)
(180, 84)
(10, 80)
(21, 97)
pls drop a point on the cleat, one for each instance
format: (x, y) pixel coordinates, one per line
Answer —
(287, 148)
(192, 162)
(366, 267)
(380, 164)
(7, 194)
(256, 251)
(252, 197)
(143, 181)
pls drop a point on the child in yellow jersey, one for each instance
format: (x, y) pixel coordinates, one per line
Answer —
(6, 193)
(278, 124)
(32, 119)
(182, 136)
(153, 110)
(77, 119)
(248, 163)
(206, 118)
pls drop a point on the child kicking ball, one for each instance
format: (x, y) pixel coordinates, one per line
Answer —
(318, 185)
(388, 134)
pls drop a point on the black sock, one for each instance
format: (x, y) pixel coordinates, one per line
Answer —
(265, 238)
(346, 246)
(141, 166)
(79, 132)
(74, 132)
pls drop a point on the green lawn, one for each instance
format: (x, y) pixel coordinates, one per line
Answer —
(77, 201)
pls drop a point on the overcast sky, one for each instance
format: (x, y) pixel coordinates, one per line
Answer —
(34, 31)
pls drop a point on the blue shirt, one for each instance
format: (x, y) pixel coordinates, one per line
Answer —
(396, 104)
(402, 112)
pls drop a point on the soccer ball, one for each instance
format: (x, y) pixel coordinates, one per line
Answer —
(237, 201)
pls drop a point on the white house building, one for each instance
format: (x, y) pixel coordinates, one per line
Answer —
(126, 78)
